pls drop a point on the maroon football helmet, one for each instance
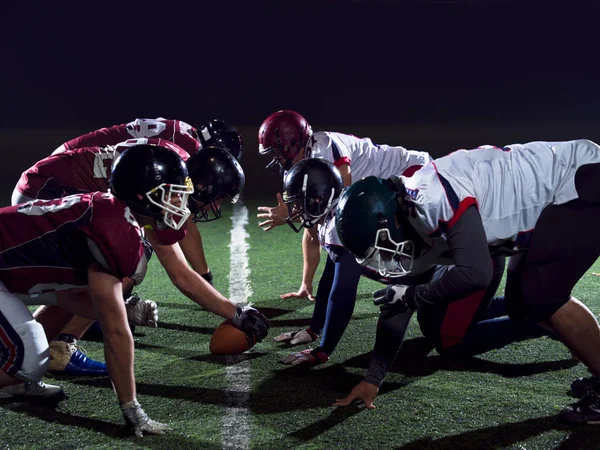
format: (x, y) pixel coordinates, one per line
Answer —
(282, 135)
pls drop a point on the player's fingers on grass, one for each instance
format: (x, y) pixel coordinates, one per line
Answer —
(345, 401)
(284, 336)
(293, 295)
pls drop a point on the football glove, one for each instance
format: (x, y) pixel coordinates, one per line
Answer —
(306, 357)
(392, 300)
(298, 337)
(141, 312)
(251, 322)
(137, 419)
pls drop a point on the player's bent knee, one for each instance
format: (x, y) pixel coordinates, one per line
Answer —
(36, 353)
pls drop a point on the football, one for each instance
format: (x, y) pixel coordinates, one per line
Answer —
(228, 339)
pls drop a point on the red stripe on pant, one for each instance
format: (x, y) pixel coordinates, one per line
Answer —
(459, 316)
(12, 351)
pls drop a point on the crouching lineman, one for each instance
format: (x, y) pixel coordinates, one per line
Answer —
(311, 190)
(217, 176)
(73, 253)
(529, 197)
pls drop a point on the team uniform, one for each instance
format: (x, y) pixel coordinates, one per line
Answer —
(83, 170)
(364, 157)
(528, 197)
(176, 131)
(47, 246)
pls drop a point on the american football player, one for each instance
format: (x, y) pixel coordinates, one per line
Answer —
(216, 174)
(73, 252)
(215, 133)
(287, 138)
(311, 190)
(530, 199)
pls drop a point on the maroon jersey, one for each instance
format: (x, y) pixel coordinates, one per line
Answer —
(82, 170)
(48, 245)
(85, 170)
(175, 131)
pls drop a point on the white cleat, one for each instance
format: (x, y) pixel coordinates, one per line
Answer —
(31, 389)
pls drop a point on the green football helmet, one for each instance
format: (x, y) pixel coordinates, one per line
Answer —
(373, 227)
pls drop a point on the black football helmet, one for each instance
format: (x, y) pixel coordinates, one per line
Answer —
(154, 182)
(309, 190)
(371, 224)
(218, 133)
(216, 175)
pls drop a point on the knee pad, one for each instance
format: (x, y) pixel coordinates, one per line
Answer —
(36, 356)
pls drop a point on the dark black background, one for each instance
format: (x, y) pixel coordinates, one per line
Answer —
(431, 75)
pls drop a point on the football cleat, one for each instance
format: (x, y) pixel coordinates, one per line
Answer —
(306, 357)
(31, 389)
(585, 411)
(583, 386)
(67, 359)
(298, 337)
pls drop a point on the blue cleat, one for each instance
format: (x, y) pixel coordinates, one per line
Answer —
(67, 359)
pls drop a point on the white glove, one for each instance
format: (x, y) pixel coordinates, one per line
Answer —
(140, 422)
(297, 337)
(141, 312)
(306, 357)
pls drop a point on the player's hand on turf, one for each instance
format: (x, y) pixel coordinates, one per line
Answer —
(137, 418)
(251, 322)
(306, 357)
(141, 312)
(297, 337)
(392, 300)
(363, 391)
(303, 292)
(274, 216)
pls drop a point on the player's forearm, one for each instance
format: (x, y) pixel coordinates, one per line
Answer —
(193, 250)
(389, 338)
(311, 251)
(119, 354)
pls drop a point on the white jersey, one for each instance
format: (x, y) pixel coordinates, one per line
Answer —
(511, 186)
(364, 157)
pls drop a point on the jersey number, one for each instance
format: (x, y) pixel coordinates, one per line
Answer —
(102, 163)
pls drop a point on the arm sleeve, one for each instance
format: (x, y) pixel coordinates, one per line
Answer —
(473, 267)
(388, 340)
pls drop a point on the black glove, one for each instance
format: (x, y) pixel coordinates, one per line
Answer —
(251, 322)
(392, 300)
(137, 419)
(208, 276)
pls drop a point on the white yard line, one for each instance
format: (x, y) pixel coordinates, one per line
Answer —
(235, 430)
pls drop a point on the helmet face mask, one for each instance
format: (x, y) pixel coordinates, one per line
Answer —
(389, 258)
(175, 213)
